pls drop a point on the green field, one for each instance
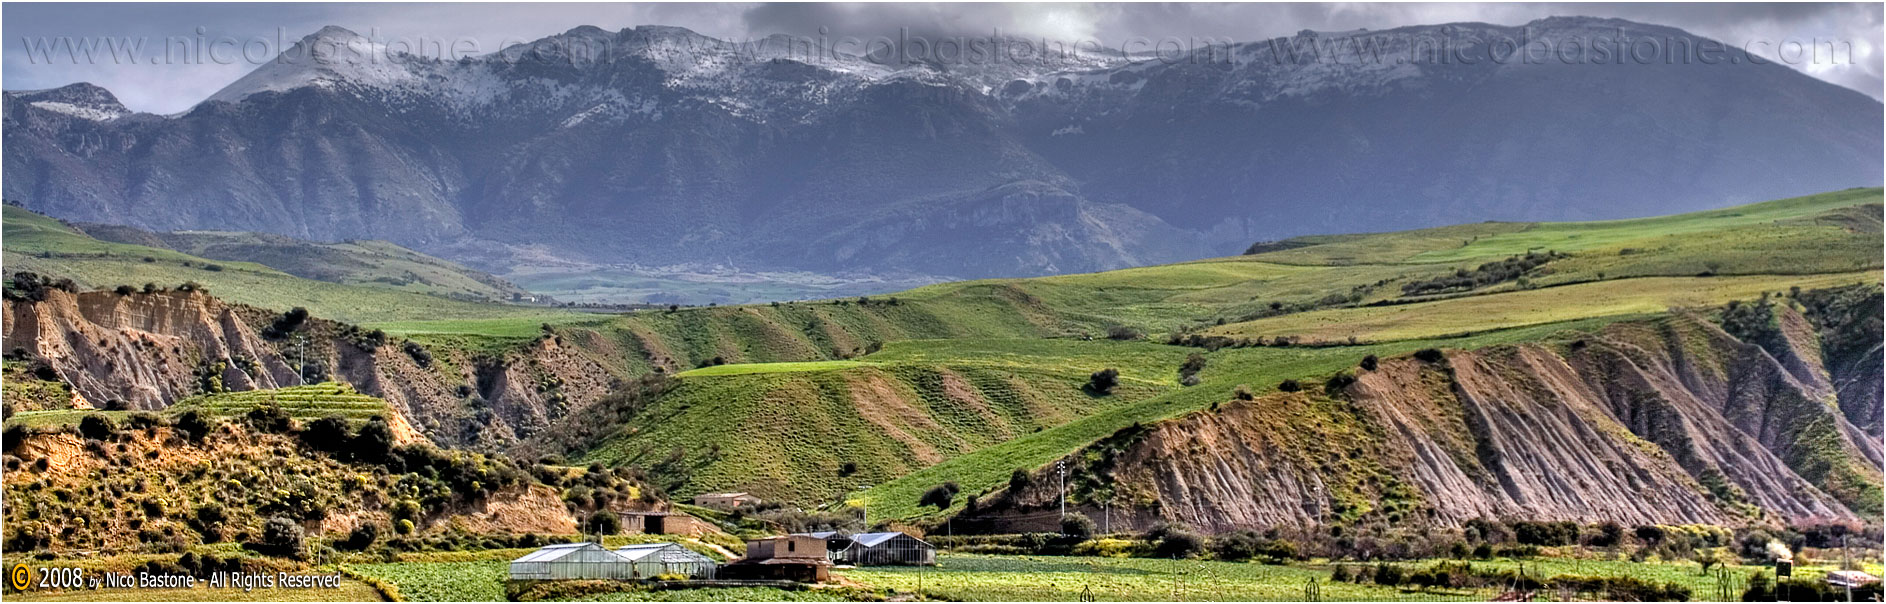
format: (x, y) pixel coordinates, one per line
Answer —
(1530, 307)
(481, 581)
(1061, 579)
(975, 577)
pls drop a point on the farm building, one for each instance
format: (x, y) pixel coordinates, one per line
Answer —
(655, 559)
(880, 549)
(571, 561)
(663, 523)
(790, 558)
(725, 501)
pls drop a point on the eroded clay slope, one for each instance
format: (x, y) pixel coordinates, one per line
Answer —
(1665, 421)
(150, 350)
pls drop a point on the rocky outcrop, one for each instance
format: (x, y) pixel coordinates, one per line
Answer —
(150, 350)
(145, 350)
(1669, 421)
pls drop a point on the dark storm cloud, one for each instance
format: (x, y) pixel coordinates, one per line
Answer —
(174, 87)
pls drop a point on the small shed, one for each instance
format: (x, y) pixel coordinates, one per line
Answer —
(571, 561)
(883, 549)
(655, 559)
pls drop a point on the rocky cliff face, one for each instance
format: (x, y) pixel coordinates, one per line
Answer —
(149, 351)
(1672, 421)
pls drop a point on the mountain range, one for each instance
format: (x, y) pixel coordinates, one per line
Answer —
(656, 145)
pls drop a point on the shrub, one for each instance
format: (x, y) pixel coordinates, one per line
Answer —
(282, 536)
(1105, 548)
(940, 496)
(1369, 363)
(1545, 534)
(1289, 386)
(1122, 332)
(1077, 524)
(1430, 355)
(1389, 575)
(269, 418)
(1339, 383)
(195, 424)
(97, 427)
(1104, 381)
(362, 537)
(1237, 545)
(419, 354)
(329, 434)
(1194, 363)
(1019, 481)
(124, 290)
(1243, 393)
(1170, 541)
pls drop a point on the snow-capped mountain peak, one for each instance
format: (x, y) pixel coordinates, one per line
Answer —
(82, 100)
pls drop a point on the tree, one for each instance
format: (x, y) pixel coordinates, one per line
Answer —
(604, 522)
(1369, 363)
(940, 496)
(1076, 524)
(282, 536)
(1104, 381)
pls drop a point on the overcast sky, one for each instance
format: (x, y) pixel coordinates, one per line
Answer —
(176, 85)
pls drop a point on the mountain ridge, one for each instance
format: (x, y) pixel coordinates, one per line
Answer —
(668, 147)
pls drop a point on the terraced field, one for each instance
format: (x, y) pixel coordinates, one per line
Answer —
(304, 403)
(309, 402)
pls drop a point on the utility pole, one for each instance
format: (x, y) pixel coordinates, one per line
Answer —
(301, 352)
(864, 508)
(1060, 467)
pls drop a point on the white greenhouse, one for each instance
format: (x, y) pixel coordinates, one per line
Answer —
(571, 561)
(656, 559)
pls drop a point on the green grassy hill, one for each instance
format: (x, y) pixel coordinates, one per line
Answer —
(779, 417)
(950, 382)
(358, 262)
(43, 245)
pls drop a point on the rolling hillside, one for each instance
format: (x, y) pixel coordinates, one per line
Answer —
(42, 245)
(967, 382)
(1310, 308)
(358, 262)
